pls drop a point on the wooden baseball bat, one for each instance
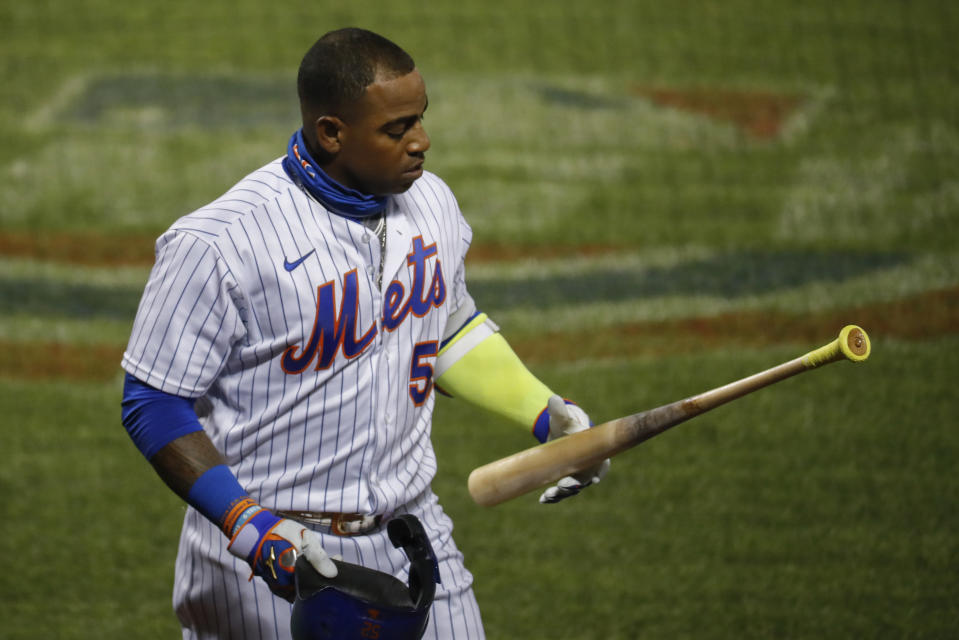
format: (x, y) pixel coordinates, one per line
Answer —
(533, 468)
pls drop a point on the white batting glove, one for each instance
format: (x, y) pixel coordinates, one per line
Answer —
(565, 419)
(270, 545)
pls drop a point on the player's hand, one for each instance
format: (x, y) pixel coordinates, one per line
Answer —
(270, 545)
(565, 419)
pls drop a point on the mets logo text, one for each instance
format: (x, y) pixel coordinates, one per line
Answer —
(334, 328)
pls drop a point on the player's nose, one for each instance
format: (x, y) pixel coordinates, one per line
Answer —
(419, 140)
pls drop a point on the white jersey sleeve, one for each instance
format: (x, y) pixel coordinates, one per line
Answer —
(188, 320)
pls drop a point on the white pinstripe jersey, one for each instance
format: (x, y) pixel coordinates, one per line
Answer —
(313, 382)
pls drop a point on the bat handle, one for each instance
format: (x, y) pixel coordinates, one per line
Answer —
(852, 344)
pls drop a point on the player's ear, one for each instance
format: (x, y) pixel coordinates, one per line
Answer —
(329, 131)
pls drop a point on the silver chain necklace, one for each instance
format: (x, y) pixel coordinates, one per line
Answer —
(380, 231)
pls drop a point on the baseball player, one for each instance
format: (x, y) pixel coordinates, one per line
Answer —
(282, 363)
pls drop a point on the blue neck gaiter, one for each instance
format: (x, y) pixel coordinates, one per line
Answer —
(331, 194)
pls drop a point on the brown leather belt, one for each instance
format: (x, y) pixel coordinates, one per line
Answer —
(340, 524)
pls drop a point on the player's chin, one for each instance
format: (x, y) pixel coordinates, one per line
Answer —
(405, 180)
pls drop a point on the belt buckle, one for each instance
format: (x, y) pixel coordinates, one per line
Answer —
(340, 524)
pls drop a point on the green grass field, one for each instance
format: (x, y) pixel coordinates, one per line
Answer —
(665, 197)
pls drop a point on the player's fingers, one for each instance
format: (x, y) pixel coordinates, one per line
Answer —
(594, 475)
(557, 408)
(314, 552)
(555, 494)
(565, 418)
(577, 419)
(558, 416)
(565, 488)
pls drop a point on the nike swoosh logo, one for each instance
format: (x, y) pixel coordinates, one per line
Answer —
(290, 266)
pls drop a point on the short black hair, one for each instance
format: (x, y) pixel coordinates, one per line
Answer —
(340, 66)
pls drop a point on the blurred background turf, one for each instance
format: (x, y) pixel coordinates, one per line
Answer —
(698, 165)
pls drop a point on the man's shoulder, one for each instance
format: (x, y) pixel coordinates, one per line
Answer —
(252, 193)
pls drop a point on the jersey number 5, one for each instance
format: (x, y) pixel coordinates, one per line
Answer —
(421, 372)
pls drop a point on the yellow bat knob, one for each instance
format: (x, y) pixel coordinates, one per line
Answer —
(854, 343)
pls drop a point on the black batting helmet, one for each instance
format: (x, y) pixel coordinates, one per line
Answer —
(362, 603)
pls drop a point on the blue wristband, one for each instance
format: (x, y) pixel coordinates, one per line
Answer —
(541, 426)
(215, 493)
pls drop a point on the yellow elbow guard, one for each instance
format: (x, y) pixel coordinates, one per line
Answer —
(479, 366)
